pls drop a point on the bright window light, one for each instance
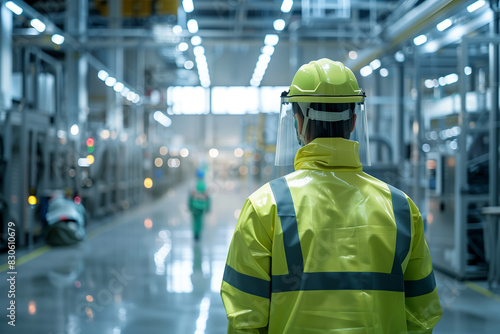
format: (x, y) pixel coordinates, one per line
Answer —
(419, 40)
(14, 8)
(286, 6)
(196, 40)
(271, 39)
(475, 6)
(279, 24)
(102, 75)
(444, 25)
(188, 5)
(366, 71)
(38, 25)
(375, 64)
(57, 39)
(192, 26)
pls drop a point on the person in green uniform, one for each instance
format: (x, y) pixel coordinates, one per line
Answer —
(199, 203)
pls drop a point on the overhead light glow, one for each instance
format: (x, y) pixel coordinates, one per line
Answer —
(102, 75)
(182, 46)
(74, 129)
(451, 78)
(196, 40)
(419, 40)
(429, 83)
(162, 118)
(353, 55)
(444, 25)
(188, 65)
(375, 64)
(384, 72)
(177, 29)
(399, 56)
(279, 24)
(286, 6)
(188, 5)
(38, 25)
(110, 81)
(192, 26)
(213, 152)
(268, 50)
(118, 87)
(14, 8)
(475, 6)
(467, 70)
(271, 39)
(366, 71)
(199, 50)
(57, 39)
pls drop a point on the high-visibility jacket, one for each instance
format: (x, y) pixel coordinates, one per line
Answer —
(329, 249)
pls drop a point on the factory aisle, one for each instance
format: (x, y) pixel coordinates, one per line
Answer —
(141, 272)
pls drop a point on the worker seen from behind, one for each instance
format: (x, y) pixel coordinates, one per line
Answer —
(328, 248)
(198, 203)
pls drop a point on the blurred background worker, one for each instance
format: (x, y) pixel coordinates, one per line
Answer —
(199, 203)
(328, 247)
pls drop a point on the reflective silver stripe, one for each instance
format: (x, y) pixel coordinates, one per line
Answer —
(249, 284)
(402, 215)
(286, 212)
(420, 287)
(298, 280)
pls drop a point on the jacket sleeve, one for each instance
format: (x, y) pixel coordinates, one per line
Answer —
(246, 286)
(423, 309)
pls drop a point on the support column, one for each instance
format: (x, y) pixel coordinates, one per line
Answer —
(494, 271)
(114, 106)
(77, 65)
(5, 58)
(417, 133)
(399, 139)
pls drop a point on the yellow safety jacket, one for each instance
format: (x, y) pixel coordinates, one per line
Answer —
(329, 249)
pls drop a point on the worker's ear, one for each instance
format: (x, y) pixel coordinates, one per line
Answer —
(353, 122)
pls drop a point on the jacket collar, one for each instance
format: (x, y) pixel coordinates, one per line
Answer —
(329, 154)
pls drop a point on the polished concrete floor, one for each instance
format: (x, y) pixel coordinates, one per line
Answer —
(141, 272)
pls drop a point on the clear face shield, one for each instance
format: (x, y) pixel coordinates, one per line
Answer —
(287, 143)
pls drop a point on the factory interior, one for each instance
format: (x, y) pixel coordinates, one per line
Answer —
(118, 104)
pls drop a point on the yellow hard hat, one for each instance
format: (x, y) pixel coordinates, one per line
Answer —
(324, 81)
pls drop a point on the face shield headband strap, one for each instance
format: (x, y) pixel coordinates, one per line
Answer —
(318, 115)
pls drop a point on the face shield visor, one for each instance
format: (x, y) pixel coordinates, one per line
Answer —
(289, 142)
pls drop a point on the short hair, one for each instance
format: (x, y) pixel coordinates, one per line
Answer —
(322, 129)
